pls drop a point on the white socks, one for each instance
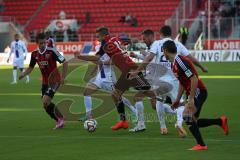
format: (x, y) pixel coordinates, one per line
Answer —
(14, 75)
(140, 112)
(161, 114)
(164, 108)
(180, 116)
(129, 105)
(88, 105)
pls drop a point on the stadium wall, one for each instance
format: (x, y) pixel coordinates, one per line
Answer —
(202, 56)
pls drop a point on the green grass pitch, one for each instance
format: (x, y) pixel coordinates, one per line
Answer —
(26, 130)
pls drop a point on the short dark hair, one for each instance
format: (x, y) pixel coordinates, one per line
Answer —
(40, 36)
(170, 46)
(102, 30)
(148, 32)
(166, 31)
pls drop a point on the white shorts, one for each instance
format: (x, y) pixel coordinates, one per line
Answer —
(18, 62)
(169, 88)
(102, 84)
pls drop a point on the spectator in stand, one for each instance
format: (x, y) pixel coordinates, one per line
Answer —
(41, 31)
(1, 5)
(32, 36)
(87, 17)
(183, 31)
(69, 34)
(75, 37)
(134, 22)
(59, 35)
(48, 33)
(62, 15)
(128, 18)
(122, 19)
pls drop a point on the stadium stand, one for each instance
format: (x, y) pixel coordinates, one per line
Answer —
(149, 13)
(21, 10)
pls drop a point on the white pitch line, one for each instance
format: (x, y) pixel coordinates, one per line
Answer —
(220, 77)
(17, 109)
(122, 138)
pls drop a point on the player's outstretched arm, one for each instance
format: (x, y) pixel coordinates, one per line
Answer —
(143, 65)
(197, 63)
(87, 57)
(25, 73)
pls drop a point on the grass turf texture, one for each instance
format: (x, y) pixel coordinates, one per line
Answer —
(26, 130)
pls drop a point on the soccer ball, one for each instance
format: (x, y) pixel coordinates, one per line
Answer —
(90, 125)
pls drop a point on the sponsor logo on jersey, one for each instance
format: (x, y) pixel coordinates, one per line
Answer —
(43, 63)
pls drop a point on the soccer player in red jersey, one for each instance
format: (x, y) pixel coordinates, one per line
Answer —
(113, 47)
(196, 94)
(47, 59)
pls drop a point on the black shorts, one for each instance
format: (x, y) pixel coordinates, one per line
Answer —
(139, 83)
(46, 90)
(199, 99)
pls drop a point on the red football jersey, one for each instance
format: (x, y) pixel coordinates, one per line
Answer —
(113, 47)
(183, 69)
(47, 62)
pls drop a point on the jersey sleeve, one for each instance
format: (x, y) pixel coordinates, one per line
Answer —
(32, 61)
(154, 48)
(57, 56)
(185, 67)
(182, 50)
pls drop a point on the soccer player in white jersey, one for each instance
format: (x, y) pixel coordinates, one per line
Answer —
(165, 84)
(105, 79)
(19, 51)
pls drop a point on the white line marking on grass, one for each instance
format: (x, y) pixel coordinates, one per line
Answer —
(221, 77)
(121, 138)
(17, 109)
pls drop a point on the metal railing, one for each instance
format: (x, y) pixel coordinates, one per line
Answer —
(184, 10)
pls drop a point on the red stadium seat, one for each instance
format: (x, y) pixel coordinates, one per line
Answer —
(150, 14)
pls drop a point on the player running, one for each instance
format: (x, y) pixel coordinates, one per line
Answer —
(157, 57)
(164, 85)
(196, 94)
(105, 79)
(46, 59)
(19, 49)
(112, 47)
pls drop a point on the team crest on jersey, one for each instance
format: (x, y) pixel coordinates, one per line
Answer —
(47, 56)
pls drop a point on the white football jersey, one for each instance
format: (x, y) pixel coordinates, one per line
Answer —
(156, 48)
(18, 49)
(105, 71)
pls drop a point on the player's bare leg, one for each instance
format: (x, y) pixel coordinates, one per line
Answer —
(53, 111)
(27, 77)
